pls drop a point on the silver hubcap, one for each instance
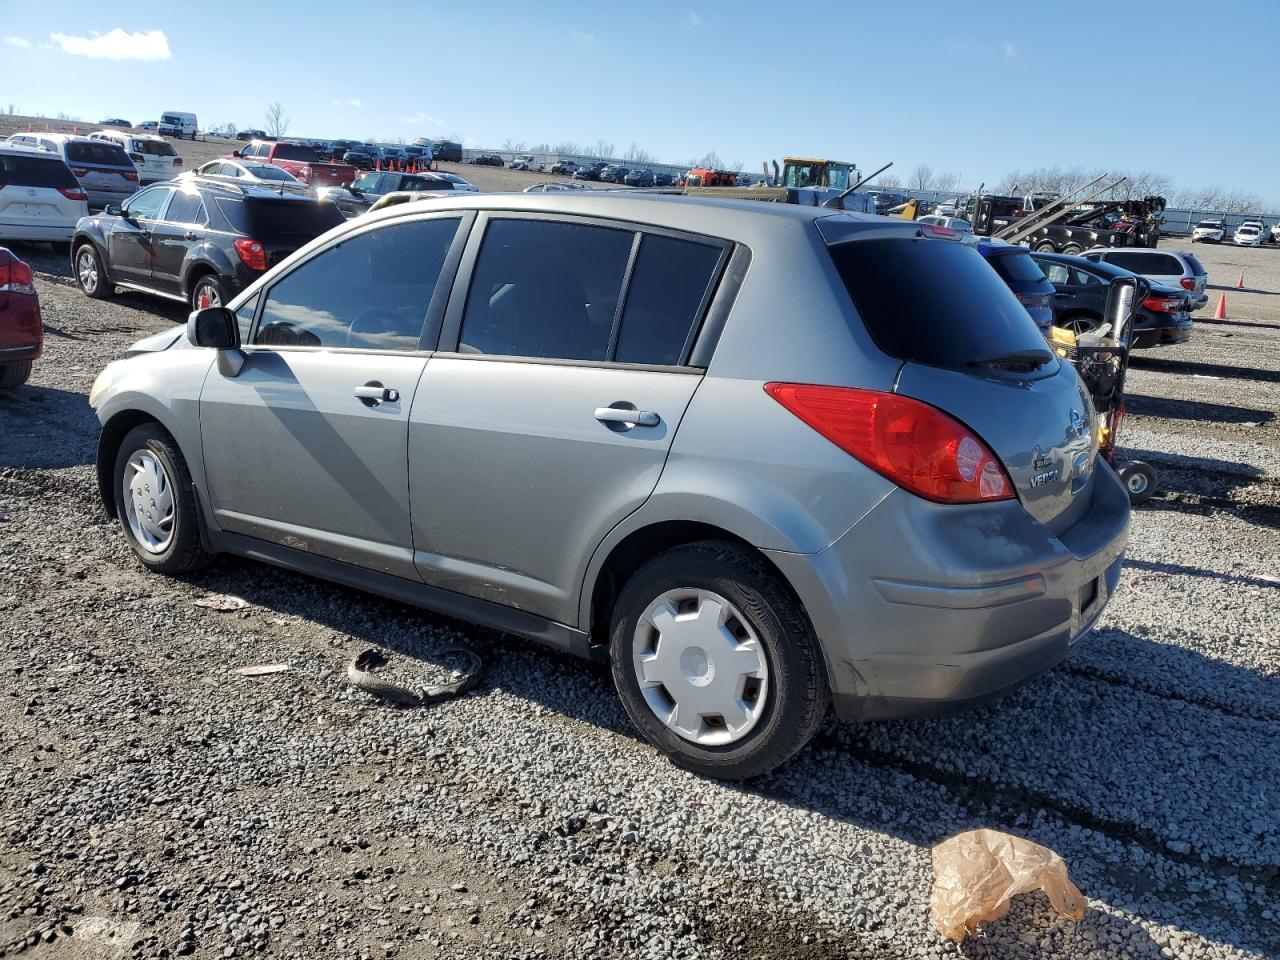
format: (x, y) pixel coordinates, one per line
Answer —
(87, 271)
(207, 296)
(700, 666)
(148, 501)
(1137, 483)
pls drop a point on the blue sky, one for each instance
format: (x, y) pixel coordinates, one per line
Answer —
(976, 89)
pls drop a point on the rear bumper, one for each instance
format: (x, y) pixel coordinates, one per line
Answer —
(54, 231)
(1159, 336)
(923, 609)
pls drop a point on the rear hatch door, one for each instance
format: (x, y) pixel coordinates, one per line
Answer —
(31, 191)
(969, 348)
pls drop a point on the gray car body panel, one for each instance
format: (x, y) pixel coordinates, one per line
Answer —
(514, 496)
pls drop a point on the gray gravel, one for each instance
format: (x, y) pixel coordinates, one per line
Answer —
(154, 804)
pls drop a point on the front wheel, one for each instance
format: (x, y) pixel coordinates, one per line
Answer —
(156, 503)
(715, 661)
(1140, 480)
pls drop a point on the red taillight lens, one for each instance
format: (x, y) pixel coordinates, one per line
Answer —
(252, 253)
(1163, 304)
(938, 231)
(915, 445)
(16, 277)
(137, 158)
(129, 174)
(73, 193)
(177, 161)
(80, 171)
(1187, 283)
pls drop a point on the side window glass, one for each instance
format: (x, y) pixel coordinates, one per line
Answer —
(1084, 278)
(244, 316)
(1056, 273)
(669, 285)
(148, 204)
(544, 288)
(370, 292)
(186, 207)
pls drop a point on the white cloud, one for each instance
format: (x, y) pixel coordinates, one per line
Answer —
(116, 45)
(417, 119)
(347, 102)
(17, 42)
(692, 20)
(1011, 51)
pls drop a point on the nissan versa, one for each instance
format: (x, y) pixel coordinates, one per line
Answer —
(757, 456)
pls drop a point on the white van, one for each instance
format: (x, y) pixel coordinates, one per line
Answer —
(155, 157)
(175, 123)
(40, 198)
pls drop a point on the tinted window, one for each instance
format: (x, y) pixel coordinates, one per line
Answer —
(1157, 264)
(424, 183)
(186, 207)
(154, 148)
(664, 301)
(276, 220)
(96, 151)
(294, 151)
(265, 171)
(1017, 268)
(147, 204)
(35, 171)
(545, 289)
(1057, 273)
(933, 301)
(244, 317)
(370, 292)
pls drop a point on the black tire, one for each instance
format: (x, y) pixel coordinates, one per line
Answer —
(1046, 246)
(15, 374)
(212, 284)
(1139, 480)
(1079, 322)
(184, 551)
(797, 693)
(1073, 249)
(102, 288)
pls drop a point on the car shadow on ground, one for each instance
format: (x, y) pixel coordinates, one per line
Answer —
(911, 779)
(43, 428)
(1184, 367)
(1232, 288)
(1168, 408)
(1204, 485)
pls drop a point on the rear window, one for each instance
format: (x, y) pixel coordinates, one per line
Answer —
(23, 171)
(294, 151)
(933, 301)
(95, 151)
(1017, 268)
(273, 220)
(1152, 264)
(266, 171)
(154, 148)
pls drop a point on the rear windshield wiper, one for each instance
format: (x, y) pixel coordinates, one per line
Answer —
(1015, 360)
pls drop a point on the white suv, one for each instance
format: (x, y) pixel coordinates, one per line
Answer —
(154, 156)
(40, 198)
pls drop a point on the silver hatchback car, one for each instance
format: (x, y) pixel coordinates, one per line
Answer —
(760, 457)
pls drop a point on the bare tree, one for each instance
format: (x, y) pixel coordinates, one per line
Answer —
(230, 130)
(512, 146)
(637, 154)
(603, 149)
(890, 181)
(921, 178)
(567, 148)
(946, 181)
(277, 121)
(710, 161)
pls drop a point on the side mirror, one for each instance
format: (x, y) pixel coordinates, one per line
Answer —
(238, 152)
(214, 327)
(113, 210)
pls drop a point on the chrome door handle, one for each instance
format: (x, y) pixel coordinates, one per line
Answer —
(191, 235)
(627, 416)
(375, 393)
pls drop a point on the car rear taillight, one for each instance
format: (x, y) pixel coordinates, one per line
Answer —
(129, 174)
(938, 231)
(137, 158)
(16, 277)
(252, 253)
(80, 171)
(1163, 304)
(1187, 283)
(73, 193)
(177, 161)
(915, 445)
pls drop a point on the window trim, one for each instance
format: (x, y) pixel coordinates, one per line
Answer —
(432, 319)
(451, 330)
(169, 189)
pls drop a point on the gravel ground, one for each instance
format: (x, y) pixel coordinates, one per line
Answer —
(152, 803)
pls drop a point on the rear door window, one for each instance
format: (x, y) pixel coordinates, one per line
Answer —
(1150, 264)
(544, 288)
(670, 285)
(370, 292)
(149, 204)
(186, 207)
(935, 302)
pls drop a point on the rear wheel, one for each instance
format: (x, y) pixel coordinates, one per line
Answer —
(14, 374)
(1073, 249)
(156, 503)
(1046, 246)
(208, 292)
(90, 274)
(715, 661)
(1140, 480)
(1079, 323)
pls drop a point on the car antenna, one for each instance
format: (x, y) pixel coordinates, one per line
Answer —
(837, 202)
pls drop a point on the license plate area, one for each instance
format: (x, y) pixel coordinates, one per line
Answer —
(1089, 594)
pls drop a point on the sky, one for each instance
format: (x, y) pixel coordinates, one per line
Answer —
(976, 89)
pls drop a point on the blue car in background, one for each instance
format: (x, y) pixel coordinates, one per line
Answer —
(1023, 276)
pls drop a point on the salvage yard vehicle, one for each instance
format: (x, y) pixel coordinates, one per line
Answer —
(40, 198)
(1023, 276)
(526, 161)
(565, 167)
(1209, 231)
(250, 171)
(21, 330)
(152, 156)
(176, 123)
(1081, 287)
(591, 171)
(1130, 223)
(300, 160)
(1248, 234)
(459, 183)
(527, 411)
(1170, 268)
(361, 194)
(198, 240)
(640, 178)
(104, 170)
(488, 160)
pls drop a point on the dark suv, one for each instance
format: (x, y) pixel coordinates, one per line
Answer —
(196, 240)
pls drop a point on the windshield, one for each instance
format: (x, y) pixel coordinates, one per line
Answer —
(294, 151)
(1211, 224)
(172, 119)
(933, 301)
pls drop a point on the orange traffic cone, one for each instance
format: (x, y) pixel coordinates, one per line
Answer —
(1240, 282)
(1221, 312)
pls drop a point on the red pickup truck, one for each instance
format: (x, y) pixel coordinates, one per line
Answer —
(300, 160)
